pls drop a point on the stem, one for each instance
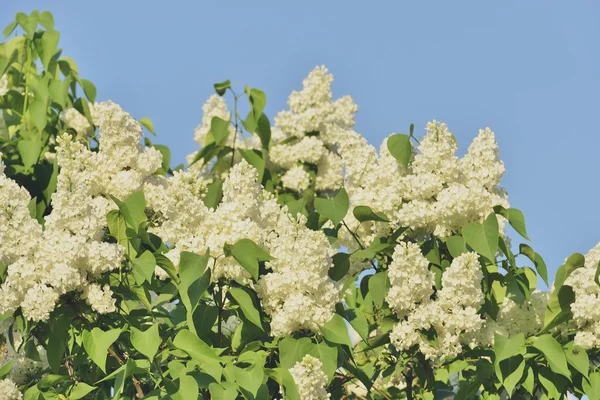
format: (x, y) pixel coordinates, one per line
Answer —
(136, 381)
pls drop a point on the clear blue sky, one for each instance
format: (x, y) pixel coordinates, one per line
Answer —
(527, 69)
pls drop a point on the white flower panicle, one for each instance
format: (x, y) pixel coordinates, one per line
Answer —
(453, 315)
(99, 298)
(310, 379)
(75, 120)
(297, 293)
(215, 106)
(412, 282)
(586, 308)
(69, 254)
(296, 178)
(9, 391)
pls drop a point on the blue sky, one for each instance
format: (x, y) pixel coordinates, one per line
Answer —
(527, 69)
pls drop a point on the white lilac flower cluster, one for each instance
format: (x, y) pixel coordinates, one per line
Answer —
(513, 318)
(9, 390)
(452, 315)
(310, 379)
(586, 310)
(76, 121)
(69, 254)
(307, 134)
(297, 292)
(304, 137)
(439, 193)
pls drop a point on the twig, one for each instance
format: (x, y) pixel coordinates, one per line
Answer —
(136, 381)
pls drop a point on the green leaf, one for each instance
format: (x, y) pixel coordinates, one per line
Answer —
(456, 245)
(60, 322)
(133, 209)
(400, 148)
(146, 342)
(537, 261)
(558, 309)
(166, 156)
(96, 343)
(28, 23)
(49, 43)
(358, 321)
(512, 372)
(365, 213)
(554, 354)
(575, 261)
(195, 347)
(9, 29)
(505, 348)
(37, 112)
(577, 357)
(194, 280)
(5, 369)
(250, 378)
(80, 390)
(258, 101)
(515, 218)
(248, 254)
(341, 266)
(334, 209)
(483, 238)
(143, 267)
(336, 331)
(592, 387)
(188, 388)
(293, 350)
(219, 128)
(371, 251)
(214, 194)
(222, 87)
(248, 302)
(223, 391)
(148, 124)
(328, 355)
(203, 319)
(263, 130)
(378, 288)
(29, 149)
(47, 20)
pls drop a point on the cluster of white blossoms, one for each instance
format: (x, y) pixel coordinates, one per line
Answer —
(304, 137)
(69, 254)
(451, 316)
(586, 308)
(513, 318)
(310, 380)
(297, 292)
(9, 390)
(412, 282)
(439, 193)
(75, 120)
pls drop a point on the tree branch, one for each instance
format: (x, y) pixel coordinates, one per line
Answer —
(136, 381)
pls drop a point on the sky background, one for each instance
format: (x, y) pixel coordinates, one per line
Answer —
(527, 69)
